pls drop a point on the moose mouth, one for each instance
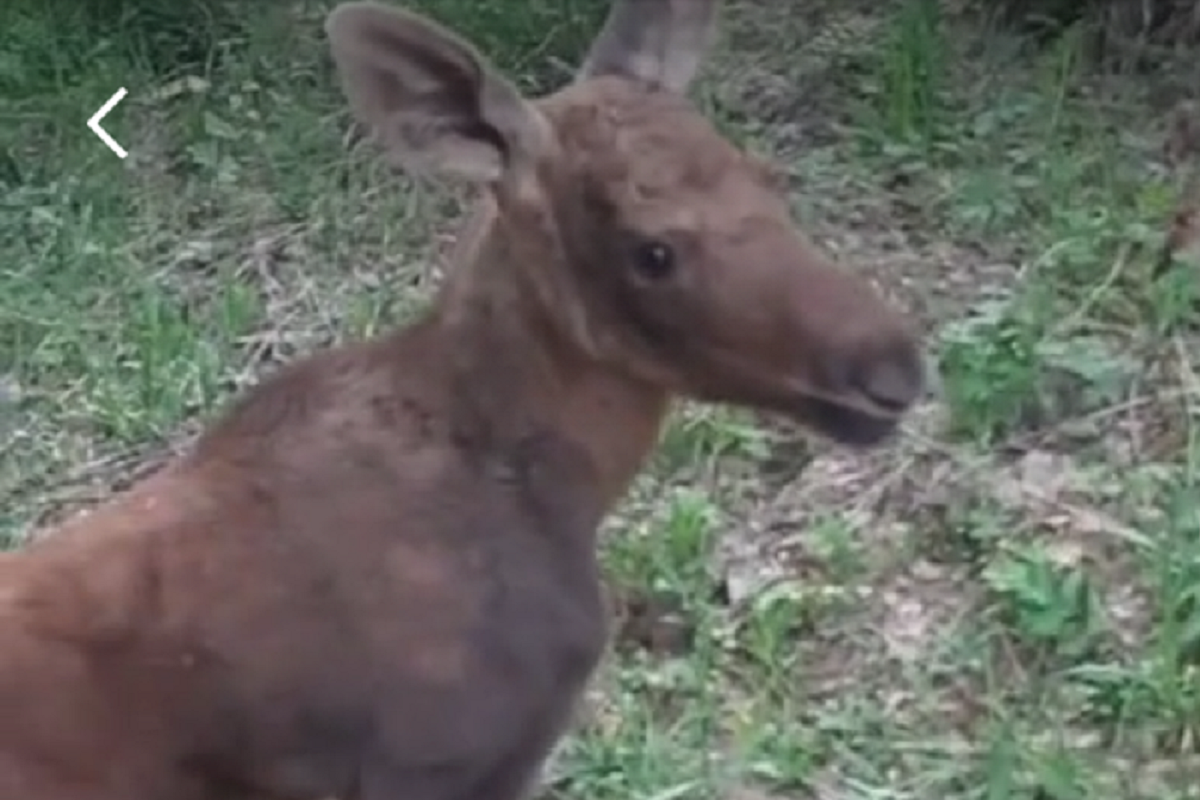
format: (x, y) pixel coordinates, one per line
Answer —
(845, 425)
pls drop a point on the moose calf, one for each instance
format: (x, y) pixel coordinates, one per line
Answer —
(375, 577)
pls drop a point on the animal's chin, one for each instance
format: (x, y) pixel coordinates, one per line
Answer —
(844, 425)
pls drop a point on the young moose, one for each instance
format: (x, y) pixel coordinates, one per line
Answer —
(375, 578)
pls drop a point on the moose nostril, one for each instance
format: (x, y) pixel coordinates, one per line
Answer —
(893, 383)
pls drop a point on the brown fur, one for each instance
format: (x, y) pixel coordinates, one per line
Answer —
(375, 577)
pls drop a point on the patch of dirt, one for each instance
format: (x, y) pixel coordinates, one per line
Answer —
(898, 503)
(654, 622)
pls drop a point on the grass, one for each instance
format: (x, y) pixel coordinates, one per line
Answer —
(1004, 604)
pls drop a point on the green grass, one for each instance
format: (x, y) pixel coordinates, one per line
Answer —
(1003, 604)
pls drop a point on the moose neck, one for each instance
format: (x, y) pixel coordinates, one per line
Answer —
(523, 369)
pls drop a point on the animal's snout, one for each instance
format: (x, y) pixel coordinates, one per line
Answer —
(893, 378)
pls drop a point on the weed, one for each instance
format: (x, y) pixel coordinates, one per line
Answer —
(908, 102)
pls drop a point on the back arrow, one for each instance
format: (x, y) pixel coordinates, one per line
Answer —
(94, 123)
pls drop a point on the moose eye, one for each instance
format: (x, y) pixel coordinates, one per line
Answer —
(653, 260)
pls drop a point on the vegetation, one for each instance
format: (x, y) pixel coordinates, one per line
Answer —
(1003, 604)
(1116, 29)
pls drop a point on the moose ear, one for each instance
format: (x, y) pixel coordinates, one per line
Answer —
(659, 42)
(436, 105)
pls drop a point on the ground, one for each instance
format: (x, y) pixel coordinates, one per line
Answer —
(1004, 602)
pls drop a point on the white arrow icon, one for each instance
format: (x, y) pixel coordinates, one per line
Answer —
(94, 123)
